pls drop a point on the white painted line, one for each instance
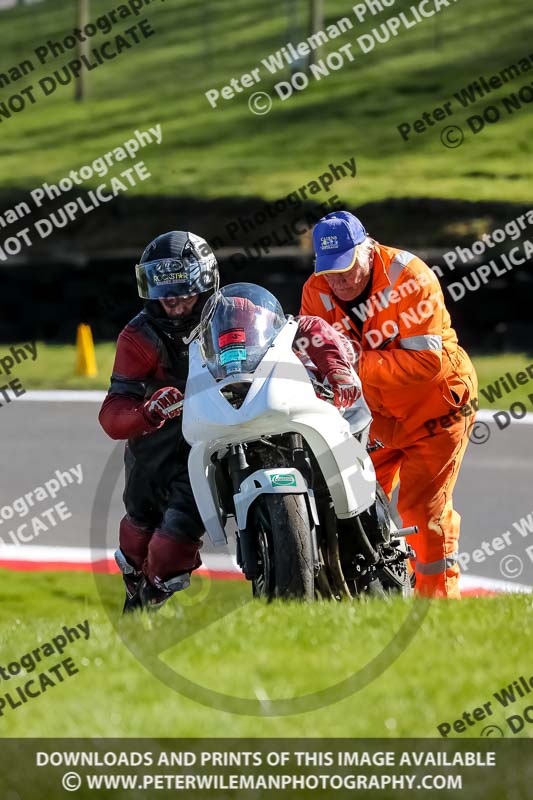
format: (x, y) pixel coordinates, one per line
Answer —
(64, 396)
(35, 552)
(484, 415)
(492, 584)
(217, 562)
(213, 562)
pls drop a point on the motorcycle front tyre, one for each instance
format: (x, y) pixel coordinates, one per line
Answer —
(285, 548)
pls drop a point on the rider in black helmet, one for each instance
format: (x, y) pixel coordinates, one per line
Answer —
(160, 533)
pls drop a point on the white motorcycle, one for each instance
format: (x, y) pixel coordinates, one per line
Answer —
(271, 451)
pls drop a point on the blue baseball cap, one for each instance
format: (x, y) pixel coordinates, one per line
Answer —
(335, 240)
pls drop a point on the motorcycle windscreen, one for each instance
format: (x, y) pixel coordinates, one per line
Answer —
(238, 325)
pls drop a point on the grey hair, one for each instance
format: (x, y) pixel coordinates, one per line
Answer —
(365, 250)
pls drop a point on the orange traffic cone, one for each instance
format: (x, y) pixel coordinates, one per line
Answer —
(85, 356)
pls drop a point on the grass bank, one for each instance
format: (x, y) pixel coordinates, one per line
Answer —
(215, 638)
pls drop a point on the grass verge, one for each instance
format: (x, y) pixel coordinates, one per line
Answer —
(216, 639)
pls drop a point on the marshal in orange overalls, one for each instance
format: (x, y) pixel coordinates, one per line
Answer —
(422, 390)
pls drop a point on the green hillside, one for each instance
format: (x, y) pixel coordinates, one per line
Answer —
(228, 151)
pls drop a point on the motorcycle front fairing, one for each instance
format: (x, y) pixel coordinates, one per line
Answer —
(280, 399)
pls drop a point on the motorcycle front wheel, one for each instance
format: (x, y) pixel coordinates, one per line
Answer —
(285, 554)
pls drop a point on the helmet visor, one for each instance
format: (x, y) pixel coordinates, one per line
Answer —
(170, 277)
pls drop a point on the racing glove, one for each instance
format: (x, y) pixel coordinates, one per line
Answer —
(164, 404)
(345, 387)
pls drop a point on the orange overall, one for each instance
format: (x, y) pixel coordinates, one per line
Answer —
(422, 390)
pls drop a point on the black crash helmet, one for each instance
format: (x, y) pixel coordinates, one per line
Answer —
(177, 264)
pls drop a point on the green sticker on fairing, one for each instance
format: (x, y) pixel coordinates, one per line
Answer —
(283, 480)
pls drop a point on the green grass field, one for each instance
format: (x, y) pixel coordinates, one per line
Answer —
(252, 650)
(55, 369)
(228, 151)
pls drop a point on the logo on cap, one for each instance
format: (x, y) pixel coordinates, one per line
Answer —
(329, 243)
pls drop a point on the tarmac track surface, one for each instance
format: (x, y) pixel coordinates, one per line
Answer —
(38, 438)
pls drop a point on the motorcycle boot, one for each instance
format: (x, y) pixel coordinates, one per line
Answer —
(152, 597)
(132, 581)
